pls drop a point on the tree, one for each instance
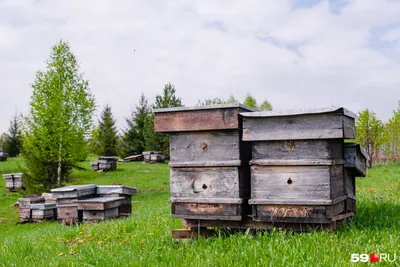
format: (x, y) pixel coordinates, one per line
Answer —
(217, 101)
(392, 147)
(265, 106)
(93, 144)
(108, 136)
(133, 140)
(60, 117)
(158, 141)
(250, 101)
(12, 140)
(370, 133)
(3, 138)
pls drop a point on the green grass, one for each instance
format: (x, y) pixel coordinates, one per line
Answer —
(144, 238)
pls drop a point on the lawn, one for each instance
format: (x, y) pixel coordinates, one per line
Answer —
(144, 238)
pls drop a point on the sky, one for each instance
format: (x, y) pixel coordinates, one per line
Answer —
(294, 53)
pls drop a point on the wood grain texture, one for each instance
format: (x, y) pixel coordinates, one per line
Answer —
(298, 149)
(74, 191)
(337, 181)
(197, 120)
(290, 182)
(296, 162)
(116, 189)
(290, 214)
(355, 159)
(100, 203)
(299, 127)
(89, 215)
(206, 211)
(205, 146)
(223, 182)
(67, 212)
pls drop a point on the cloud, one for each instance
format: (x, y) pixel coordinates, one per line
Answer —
(296, 54)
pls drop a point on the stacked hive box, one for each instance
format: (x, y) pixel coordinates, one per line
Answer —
(67, 201)
(105, 163)
(209, 176)
(355, 166)
(297, 167)
(24, 205)
(13, 181)
(125, 209)
(153, 156)
(99, 208)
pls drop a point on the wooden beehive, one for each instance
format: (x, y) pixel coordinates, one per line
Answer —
(355, 166)
(13, 181)
(100, 208)
(107, 163)
(297, 166)
(43, 211)
(209, 176)
(153, 157)
(3, 156)
(67, 201)
(126, 192)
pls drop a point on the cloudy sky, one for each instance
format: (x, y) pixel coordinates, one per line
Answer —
(295, 53)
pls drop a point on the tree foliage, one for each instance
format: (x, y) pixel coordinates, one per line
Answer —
(108, 135)
(392, 146)
(250, 101)
(217, 101)
(60, 117)
(12, 140)
(158, 141)
(133, 139)
(265, 106)
(370, 133)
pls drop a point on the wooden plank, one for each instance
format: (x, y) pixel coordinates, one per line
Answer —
(226, 163)
(116, 189)
(206, 200)
(337, 181)
(294, 112)
(315, 126)
(43, 206)
(349, 127)
(223, 182)
(25, 213)
(290, 182)
(297, 201)
(100, 203)
(205, 209)
(67, 212)
(205, 146)
(335, 209)
(355, 159)
(197, 120)
(296, 162)
(290, 213)
(349, 183)
(298, 149)
(100, 214)
(74, 191)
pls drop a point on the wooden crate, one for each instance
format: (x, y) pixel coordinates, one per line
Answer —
(68, 212)
(126, 192)
(356, 159)
(107, 163)
(210, 176)
(100, 208)
(43, 211)
(153, 156)
(3, 156)
(297, 166)
(13, 181)
(25, 202)
(94, 165)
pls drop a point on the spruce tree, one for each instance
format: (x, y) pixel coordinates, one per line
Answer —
(108, 136)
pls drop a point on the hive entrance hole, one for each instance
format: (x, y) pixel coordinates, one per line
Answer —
(289, 181)
(204, 186)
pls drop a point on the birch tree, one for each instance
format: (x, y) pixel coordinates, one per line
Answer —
(60, 118)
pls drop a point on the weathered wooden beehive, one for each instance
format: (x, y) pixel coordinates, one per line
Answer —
(355, 166)
(43, 211)
(67, 201)
(297, 166)
(153, 156)
(13, 181)
(24, 205)
(100, 208)
(126, 192)
(107, 163)
(3, 156)
(209, 176)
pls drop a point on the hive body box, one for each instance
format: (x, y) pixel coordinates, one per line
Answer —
(209, 176)
(125, 208)
(13, 181)
(297, 166)
(100, 208)
(67, 201)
